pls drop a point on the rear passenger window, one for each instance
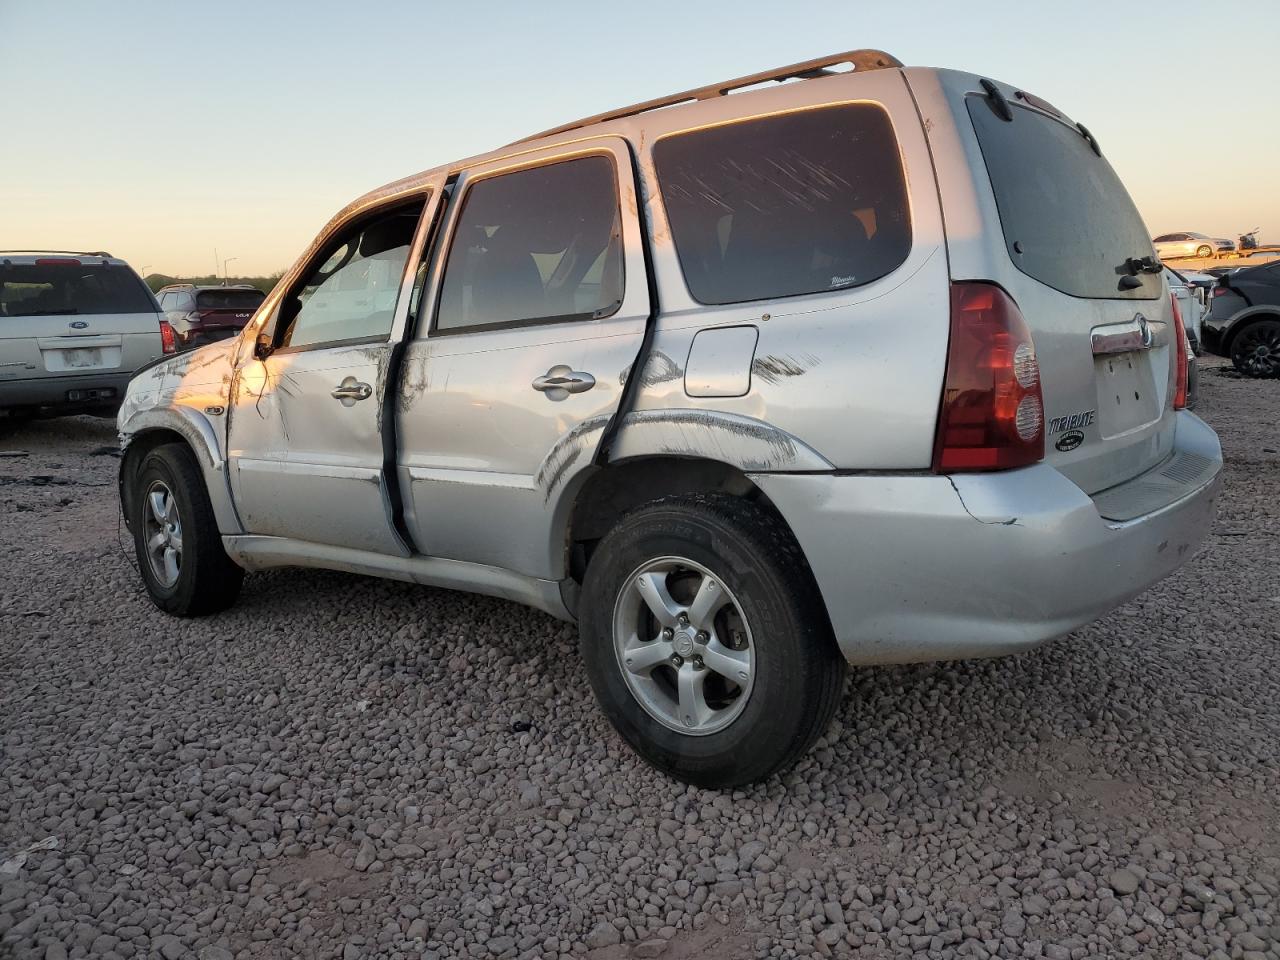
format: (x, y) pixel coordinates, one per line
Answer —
(780, 206)
(535, 246)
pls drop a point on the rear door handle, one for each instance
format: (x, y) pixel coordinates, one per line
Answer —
(561, 380)
(350, 390)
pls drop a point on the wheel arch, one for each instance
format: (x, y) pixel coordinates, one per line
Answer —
(593, 506)
(1242, 320)
(149, 429)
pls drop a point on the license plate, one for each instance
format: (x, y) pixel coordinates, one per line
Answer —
(1126, 392)
(82, 357)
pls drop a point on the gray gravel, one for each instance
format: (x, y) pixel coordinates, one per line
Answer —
(341, 767)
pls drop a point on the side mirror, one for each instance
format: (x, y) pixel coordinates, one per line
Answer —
(262, 347)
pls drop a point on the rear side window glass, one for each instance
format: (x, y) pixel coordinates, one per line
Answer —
(229, 299)
(786, 205)
(66, 288)
(1067, 219)
(535, 246)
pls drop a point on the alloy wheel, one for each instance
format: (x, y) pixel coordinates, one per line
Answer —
(162, 530)
(684, 646)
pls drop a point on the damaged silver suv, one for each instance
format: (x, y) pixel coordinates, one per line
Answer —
(877, 366)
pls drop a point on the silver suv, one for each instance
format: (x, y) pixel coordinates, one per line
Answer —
(873, 367)
(73, 329)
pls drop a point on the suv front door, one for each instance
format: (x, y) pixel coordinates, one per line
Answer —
(305, 433)
(538, 307)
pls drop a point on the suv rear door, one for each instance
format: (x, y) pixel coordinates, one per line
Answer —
(538, 308)
(67, 316)
(1058, 231)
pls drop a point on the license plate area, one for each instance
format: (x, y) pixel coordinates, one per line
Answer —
(82, 358)
(1127, 398)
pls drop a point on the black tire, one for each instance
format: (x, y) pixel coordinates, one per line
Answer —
(797, 668)
(1255, 349)
(1204, 251)
(208, 581)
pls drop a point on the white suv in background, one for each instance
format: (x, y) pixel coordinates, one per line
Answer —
(73, 329)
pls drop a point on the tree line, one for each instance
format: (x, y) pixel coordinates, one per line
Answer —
(157, 280)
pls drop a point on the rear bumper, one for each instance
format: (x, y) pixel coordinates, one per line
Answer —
(56, 391)
(916, 568)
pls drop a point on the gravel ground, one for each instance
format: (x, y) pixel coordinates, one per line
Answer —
(342, 767)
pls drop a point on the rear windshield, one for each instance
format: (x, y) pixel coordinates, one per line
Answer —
(57, 289)
(1067, 219)
(785, 205)
(229, 299)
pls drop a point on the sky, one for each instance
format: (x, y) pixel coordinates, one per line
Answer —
(161, 130)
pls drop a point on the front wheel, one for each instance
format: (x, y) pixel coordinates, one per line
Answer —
(176, 538)
(706, 641)
(1255, 351)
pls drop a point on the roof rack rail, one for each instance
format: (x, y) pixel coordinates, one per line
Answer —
(77, 253)
(861, 61)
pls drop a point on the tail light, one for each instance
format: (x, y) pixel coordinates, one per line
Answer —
(992, 413)
(167, 340)
(1180, 345)
(1221, 289)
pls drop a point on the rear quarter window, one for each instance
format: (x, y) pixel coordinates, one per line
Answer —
(1067, 219)
(785, 205)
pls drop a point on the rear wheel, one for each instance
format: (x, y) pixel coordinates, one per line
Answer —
(1204, 250)
(1255, 350)
(706, 642)
(176, 539)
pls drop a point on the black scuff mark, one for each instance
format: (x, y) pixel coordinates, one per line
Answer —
(415, 380)
(566, 451)
(660, 368)
(703, 434)
(1012, 521)
(774, 369)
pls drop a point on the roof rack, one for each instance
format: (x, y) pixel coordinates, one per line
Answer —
(861, 61)
(77, 253)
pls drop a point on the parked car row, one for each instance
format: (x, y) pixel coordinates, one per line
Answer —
(751, 386)
(1243, 323)
(75, 326)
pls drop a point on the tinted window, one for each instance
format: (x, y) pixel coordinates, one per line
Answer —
(536, 245)
(1067, 219)
(786, 205)
(54, 289)
(352, 294)
(230, 299)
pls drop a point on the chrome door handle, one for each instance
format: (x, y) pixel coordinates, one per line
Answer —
(350, 390)
(561, 380)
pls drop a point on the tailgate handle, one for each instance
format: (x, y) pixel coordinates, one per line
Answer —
(1138, 334)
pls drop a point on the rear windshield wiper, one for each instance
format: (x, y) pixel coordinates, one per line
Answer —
(1147, 264)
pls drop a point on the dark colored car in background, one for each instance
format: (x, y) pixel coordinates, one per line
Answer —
(1243, 323)
(206, 314)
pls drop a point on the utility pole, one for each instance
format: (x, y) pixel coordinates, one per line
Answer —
(225, 278)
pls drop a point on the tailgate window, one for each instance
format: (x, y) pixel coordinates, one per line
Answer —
(33, 290)
(785, 205)
(229, 299)
(1067, 219)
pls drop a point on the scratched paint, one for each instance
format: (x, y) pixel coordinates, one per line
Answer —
(659, 368)
(773, 368)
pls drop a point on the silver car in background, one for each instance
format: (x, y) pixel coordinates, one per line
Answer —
(1172, 246)
(750, 385)
(73, 329)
